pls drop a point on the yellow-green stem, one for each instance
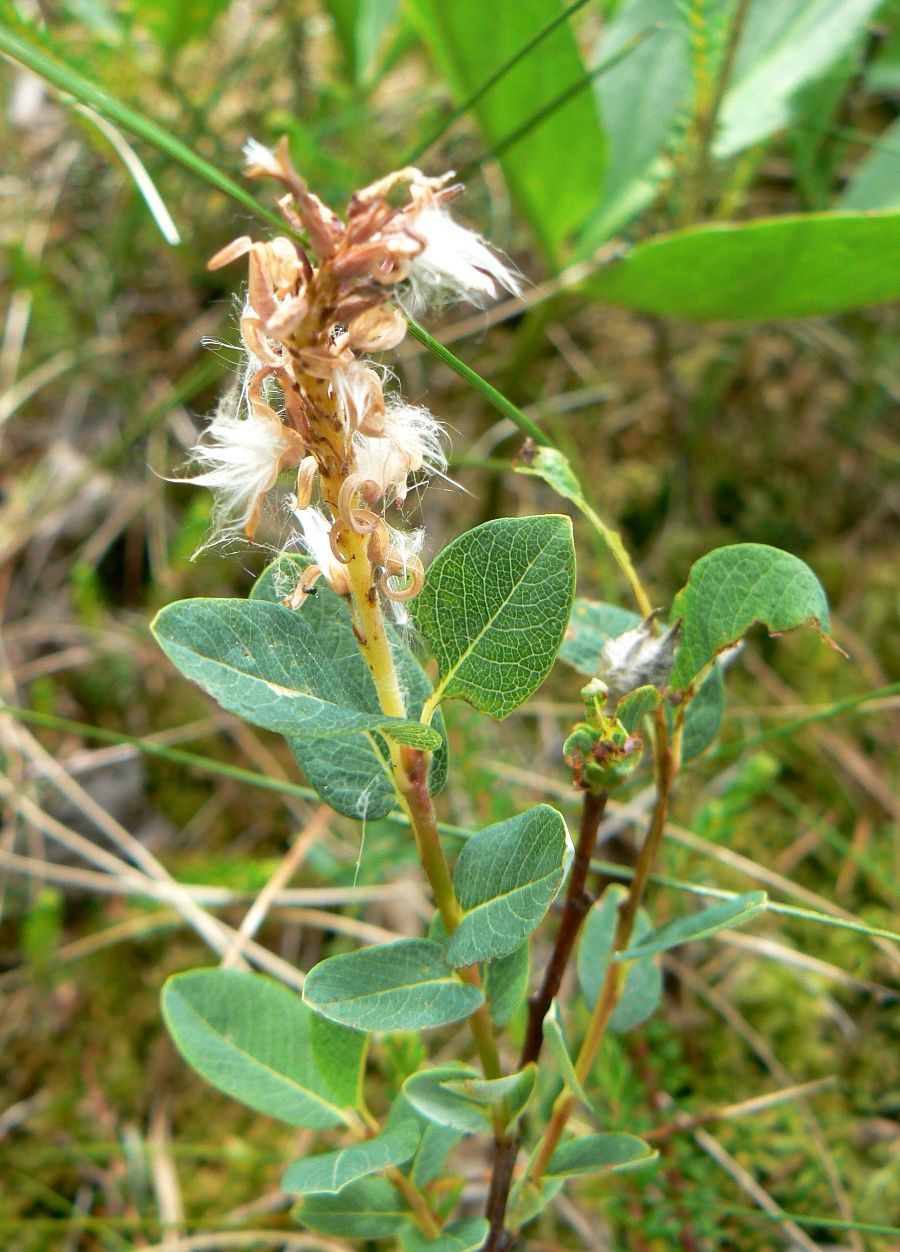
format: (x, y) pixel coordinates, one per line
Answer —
(410, 769)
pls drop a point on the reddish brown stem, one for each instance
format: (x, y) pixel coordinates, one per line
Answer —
(578, 902)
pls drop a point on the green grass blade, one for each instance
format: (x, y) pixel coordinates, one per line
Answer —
(494, 397)
(502, 70)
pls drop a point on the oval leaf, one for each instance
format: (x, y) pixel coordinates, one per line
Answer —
(601, 1153)
(731, 588)
(506, 877)
(467, 1235)
(251, 1038)
(368, 1209)
(472, 41)
(506, 982)
(641, 991)
(494, 609)
(406, 985)
(331, 1172)
(428, 1095)
(728, 913)
(265, 663)
(356, 782)
(793, 266)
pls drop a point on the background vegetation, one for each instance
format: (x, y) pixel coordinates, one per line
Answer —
(704, 405)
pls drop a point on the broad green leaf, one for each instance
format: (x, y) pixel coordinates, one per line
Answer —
(704, 715)
(506, 982)
(513, 1091)
(368, 1209)
(640, 101)
(876, 181)
(466, 1235)
(527, 1199)
(252, 1039)
(782, 47)
(506, 878)
(633, 708)
(596, 1154)
(265, 663)
(406, 985)
(340, 1056)
(174, 23)
(432, 1099)
(731, 588)
(435, 1141)
(495, 606)
(700, 925)
(555, 1038)
(330, 1172)
(641, 990)
(361, 26)
(801, 265)
(357, 780)
(471, 41)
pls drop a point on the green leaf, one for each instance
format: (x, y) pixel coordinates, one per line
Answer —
(506, 878)
(466, 1235)
(458, 1097)
(340, 1056)
(513, 1091)
(173, 24)
(252, 1039)
(495, 606)
(794, 266)
(369, 1209)
(634, 707)
(330, 1172)
(601, 1153)
(555, 1037)
(782, 47)
(472, 41)
(592, 623)
(642, 988)
(432, 1099)
(876, 181)
(265, 663)
(506, 982)
(361, 26)
(527, 1199)
(406, 985)
(731, 588)
(639, 100)
(704, 715)
(701, 925)
(356, 782)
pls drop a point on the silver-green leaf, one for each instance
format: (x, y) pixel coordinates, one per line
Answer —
(700, 925)
(252, 1039)
(330, 1172)
(356, 781)
(600, 1153)
(368, 1209)
(406, 985)
(506, 878)
(265, 663)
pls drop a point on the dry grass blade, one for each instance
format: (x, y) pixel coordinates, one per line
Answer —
(801, 960)
(290, 863)
(744, 1108)
(758, 1044)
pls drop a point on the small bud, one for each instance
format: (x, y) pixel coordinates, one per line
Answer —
(638, 658)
